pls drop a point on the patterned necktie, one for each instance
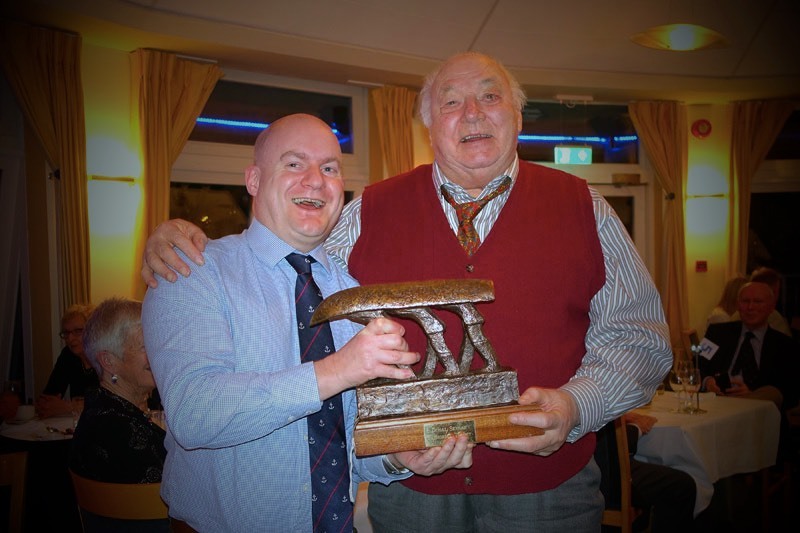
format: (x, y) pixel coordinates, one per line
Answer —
(330, 473)
(746, 362)
(467, 212)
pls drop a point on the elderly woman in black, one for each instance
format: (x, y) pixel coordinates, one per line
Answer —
(116, 439)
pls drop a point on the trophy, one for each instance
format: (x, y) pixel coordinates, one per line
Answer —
(421, 412)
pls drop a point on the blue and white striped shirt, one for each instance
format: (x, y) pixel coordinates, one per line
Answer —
(627, 345)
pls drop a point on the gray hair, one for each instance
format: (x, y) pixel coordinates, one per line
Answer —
(424, 108)
(109, 328)
(770, 292)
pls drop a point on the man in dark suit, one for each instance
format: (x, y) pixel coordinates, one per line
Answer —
(749, 358)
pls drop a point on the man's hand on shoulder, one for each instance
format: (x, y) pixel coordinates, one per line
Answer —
(160, 258)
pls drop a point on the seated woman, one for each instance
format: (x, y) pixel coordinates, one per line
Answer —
(72, 370)
(115, 440)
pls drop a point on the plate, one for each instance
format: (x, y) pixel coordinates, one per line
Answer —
(18, 421)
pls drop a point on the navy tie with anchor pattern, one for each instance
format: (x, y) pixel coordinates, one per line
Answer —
(330, 473)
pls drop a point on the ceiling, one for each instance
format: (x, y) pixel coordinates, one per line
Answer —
(578, 47)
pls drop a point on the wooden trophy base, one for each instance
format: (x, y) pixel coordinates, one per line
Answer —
(417, 414)
(403, 433)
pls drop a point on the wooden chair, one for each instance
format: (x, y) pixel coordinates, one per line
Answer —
(612, 457)
(13, 469)
(134, 501)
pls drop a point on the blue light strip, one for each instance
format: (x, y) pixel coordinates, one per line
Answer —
(524, 138)
(571, 138)
(233, 123)
(245, 124)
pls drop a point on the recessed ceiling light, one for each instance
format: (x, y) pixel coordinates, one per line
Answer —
(680, 38)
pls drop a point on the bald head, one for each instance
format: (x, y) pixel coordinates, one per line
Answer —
(296, 180)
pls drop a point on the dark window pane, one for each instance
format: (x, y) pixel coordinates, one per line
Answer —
(623, 206)
(218, 210)
(773, 242)
(607, 129)
(787, 145)
(236, 112)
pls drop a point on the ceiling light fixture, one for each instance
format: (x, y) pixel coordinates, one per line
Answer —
(680, 38)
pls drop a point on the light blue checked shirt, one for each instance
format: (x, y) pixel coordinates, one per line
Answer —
(627, 344)
(223, 346)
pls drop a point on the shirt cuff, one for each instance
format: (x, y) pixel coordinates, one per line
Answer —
(589, 402)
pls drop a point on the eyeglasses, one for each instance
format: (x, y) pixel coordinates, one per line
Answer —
(77, 332)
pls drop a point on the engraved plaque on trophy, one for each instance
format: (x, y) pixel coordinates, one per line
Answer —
(422, 411)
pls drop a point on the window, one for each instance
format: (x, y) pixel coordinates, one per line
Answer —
(218, 155)
(218, 210)
(774, 234)
(787, 145)
(607, 129)
(236, 112)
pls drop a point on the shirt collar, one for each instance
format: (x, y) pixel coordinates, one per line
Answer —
(758, 333)
(270, 249)
(458, 192)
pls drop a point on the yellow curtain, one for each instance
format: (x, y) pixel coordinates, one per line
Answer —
(394, 112)
(172, 93)
(43, 68)
(661, 127)
(756, 125)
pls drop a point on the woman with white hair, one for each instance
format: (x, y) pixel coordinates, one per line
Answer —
(115, 440)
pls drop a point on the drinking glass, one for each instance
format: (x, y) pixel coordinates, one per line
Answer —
(677, 385)
(77, 408)
(691, 382)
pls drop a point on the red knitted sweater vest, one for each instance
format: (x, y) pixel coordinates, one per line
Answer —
(545, 260)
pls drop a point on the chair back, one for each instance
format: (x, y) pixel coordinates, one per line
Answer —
(612, 457)
(13, 469)
(124, 501)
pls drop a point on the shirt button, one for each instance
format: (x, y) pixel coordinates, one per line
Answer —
(470, 268)
(468, 481)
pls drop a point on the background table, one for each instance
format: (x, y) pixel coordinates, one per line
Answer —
(36, 430)
(735, 436)
(49, 497)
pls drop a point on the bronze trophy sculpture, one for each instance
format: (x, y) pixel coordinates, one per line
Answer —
(421, 412)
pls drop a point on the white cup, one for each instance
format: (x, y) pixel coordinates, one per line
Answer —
(25, 412)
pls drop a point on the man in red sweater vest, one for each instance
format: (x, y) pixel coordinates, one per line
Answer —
(575, 311)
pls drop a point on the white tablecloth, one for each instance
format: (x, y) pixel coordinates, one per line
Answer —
(35, 429)
(735, 436)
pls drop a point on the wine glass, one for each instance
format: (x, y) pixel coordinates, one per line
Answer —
(691, 382)
(676, 376)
